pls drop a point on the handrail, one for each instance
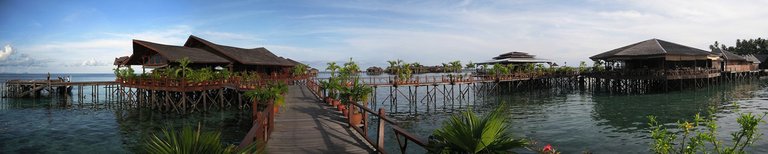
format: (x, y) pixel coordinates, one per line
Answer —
(379, 145)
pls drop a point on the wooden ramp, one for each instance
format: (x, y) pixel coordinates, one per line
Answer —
(306, 125)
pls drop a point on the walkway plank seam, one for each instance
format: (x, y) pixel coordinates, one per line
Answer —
(305, 125)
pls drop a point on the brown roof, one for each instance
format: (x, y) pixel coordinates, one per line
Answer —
(121, 60)
(175, 53)
(514, 54)
(651, 47)
(752, 58)
(255, 56)
(728, 55)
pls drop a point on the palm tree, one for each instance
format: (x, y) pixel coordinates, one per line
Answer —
(183, 62)
(456, 66)
(470, 65)
(332, 67)
(468, 133)
(392, 66)
(446, 67)
(194, 141)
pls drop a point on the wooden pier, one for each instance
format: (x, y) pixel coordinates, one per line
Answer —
(305, 125)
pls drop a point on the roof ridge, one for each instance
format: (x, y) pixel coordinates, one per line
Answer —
(657, 43)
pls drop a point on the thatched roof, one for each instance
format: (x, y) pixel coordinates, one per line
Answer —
(515, 57)
(728, 55)
(173, 53)
(650, 48)
(752, 58)
(199, 50)
(121, 60)
(514, 54)
(255, 56)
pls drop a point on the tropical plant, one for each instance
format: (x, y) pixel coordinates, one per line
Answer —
(470, 65)
(183, 63)
(299, 70)
(582, 67)
(332, 67)
(695, 139)
(272, 92)
(222, 74)
(194, 141)
(455, 66)
(468, 133)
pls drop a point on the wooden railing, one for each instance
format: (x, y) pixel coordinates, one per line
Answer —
(186, 85)
(263, 124)
(363, 128)
(457, 79)
(380, 129)
(651, 74)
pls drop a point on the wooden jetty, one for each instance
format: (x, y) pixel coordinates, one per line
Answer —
(305, 125)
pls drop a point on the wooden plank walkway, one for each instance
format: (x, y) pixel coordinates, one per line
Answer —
(306, 125)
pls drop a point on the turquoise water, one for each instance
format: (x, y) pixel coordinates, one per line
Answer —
(572, 121)
(46, 125)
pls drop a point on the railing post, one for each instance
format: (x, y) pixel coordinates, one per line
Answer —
(380, 134)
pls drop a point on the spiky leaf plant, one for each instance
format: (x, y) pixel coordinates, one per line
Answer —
(194, 141)
(469, 133)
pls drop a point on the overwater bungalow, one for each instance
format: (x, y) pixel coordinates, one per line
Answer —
(516, 58)
(203, 53)
(755, 61)
(659, 59)
(732, 62)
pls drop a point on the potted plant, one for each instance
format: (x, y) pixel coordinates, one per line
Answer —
(271, 93)
(358, 92)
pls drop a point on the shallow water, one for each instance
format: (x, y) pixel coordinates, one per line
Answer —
(44, 125)
(572, 121)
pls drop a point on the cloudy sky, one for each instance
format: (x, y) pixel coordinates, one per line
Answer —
(85, 36)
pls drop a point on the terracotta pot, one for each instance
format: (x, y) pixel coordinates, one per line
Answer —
(336, 102)
(340, 107)
(357, 118)
(344, 111)
(275, 109)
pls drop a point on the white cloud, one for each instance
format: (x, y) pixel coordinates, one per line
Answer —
(6, 52)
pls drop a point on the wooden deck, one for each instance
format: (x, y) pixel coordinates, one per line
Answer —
(306, 125)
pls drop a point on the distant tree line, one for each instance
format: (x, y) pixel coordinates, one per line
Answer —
(750, 46)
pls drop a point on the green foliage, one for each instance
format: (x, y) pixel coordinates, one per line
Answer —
(125, 73)
(745, 46)
(468, 133)
(273, 92)
(582, 67)
(357, 92)
(222, 74)
(299, 70)
(203, 74)
(695, 140)
(455, 66)
(183, 63)
(194, 141)
(332, 67)
(470, 65)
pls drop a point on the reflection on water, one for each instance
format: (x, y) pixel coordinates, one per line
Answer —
(602, 123)
(46, 126)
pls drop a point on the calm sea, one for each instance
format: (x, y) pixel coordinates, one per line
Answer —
(570, 120)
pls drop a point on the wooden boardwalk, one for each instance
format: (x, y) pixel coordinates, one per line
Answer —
(306, 125)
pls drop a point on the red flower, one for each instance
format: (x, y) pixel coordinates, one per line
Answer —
(547, 148)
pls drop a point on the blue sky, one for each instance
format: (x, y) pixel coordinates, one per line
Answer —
(86, 36)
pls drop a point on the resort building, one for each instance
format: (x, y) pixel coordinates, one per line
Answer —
(657, 58)
(516, 58)
(202, 54)
(732, 62)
